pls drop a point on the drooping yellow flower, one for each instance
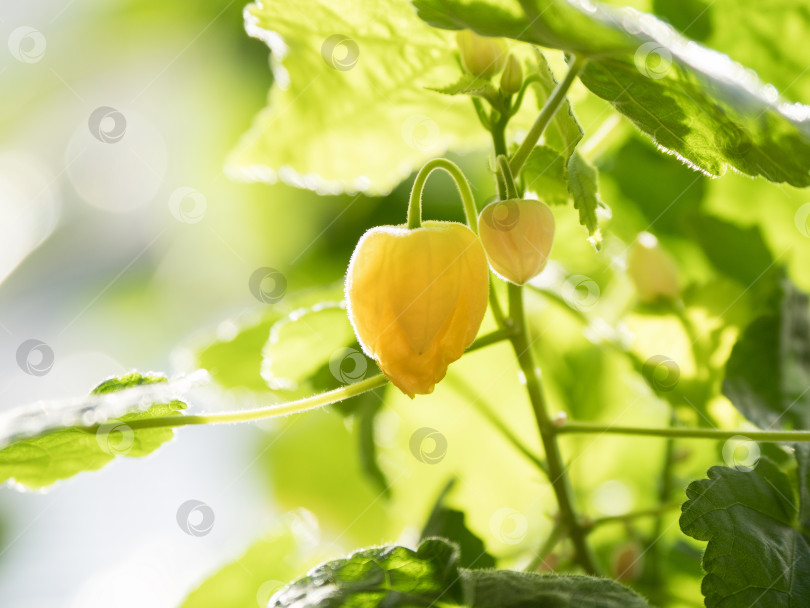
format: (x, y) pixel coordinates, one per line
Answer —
(416, 299)
(517, 236)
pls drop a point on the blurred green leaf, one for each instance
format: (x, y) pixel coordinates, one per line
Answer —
(584, 189)
(364, 409)
(758, 554)
(724, 242)
(307, 341)
(446, 522)
(545, 174)
(312, 462)
(253, 578)
(38, 461)
(768, 372)
(351, 109)
(694, 102)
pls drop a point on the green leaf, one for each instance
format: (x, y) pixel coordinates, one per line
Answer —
(308, 341)
(563, 132)
(768, 371)
(583, 186)
(758, 554)
(430, 576)
(394, 575)
(509, 589)
(545, 174)
(472, 85)
(350, 109)
(446, 522)
(692, 101)
(40, 450)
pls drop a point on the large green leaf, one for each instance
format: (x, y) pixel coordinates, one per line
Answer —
(692, 101)
(768, 372)
(430, 576)
(350, 108)
(758, 552)
(43, 445)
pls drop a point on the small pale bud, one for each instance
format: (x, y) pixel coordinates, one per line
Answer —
(652, 270)
(512, 77)
(481, 56)
(517, 235)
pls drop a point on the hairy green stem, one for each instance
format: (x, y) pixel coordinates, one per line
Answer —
(557, 472)
(683, 432)
(464, 190)
(546, 114)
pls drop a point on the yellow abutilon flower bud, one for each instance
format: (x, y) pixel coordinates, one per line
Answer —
(416, 299)
(517, 235)
(652, 270)
(512, 77)
(481, 56)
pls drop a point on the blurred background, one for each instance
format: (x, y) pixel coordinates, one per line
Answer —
(128, 256)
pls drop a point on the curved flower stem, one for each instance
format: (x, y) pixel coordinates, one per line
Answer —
(271, 411)
(506, 175)
(557, 472)
(683, 432)
(546, 114)
(415, 203)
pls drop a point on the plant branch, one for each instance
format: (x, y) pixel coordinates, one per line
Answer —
(683, 432)
(546, 114)
(633, 515)
(556, 468)
(506, 175)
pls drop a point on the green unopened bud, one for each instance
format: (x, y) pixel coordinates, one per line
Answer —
(512, 77)
(652, 270)
(481, 56)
